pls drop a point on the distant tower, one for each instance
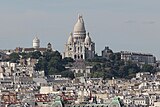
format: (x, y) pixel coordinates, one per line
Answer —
(49, 46)
(36, 43)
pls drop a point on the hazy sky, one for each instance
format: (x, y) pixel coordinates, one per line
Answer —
(129, 25)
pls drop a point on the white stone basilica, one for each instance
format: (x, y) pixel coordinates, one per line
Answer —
(79, 45)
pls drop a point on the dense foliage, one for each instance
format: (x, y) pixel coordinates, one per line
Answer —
(34, 55)
(52, 63)
(14, 57)
(115, 67)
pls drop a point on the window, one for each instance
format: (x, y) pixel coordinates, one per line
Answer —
(81, 56)
(75, 56)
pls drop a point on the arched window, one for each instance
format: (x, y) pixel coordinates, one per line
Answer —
(75, 56)
(81, 56)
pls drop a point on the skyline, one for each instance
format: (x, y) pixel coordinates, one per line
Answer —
(122, 25)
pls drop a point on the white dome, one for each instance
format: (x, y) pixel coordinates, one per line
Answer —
(70, 39)
(36, 39)
(88, 39)
(36, 42)
(79, 26)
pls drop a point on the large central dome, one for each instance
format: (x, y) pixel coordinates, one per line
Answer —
(79, 26)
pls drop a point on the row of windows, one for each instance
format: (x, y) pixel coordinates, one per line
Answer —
(78, 56)
(79, 37)
(79, 49)
(79, 71)
(140, 102)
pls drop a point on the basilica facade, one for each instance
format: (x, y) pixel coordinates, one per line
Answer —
(79, 45)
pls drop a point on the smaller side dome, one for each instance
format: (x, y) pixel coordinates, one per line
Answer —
(88, 39)
(70, 39)
(36, 42)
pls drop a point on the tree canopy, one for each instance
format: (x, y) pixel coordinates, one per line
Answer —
(14, 57)
(52, 63)
(115, 67)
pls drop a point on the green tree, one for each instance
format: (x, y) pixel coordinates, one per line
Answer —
(67, 60)
(23, 54)
(14, 57)
(36, 55)
(52, 63)
(68, 74)
(97, 74)
(148, 68)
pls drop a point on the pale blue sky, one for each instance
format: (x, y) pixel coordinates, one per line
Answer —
(129, 25)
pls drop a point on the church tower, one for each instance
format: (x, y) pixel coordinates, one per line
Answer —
(79, 45)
